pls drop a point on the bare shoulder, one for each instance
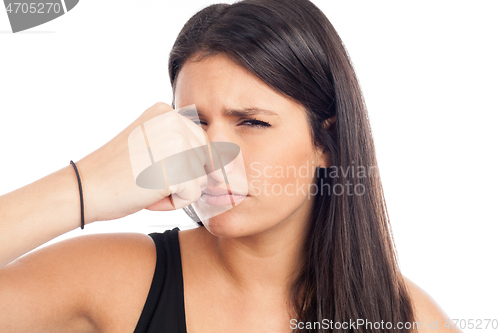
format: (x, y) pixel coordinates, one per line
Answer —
(427, 311)
(84, 283)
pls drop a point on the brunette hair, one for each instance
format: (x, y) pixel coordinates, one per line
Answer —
(351, 271)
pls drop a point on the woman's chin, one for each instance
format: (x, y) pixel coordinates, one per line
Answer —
(231, 223)
(225, 226)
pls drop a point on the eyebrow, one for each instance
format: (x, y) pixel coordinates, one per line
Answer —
(233, 112)
(249, 112)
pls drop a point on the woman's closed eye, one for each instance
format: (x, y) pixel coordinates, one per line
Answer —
(255, 123)
(246, 122)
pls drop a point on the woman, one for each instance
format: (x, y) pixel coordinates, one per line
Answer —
(273, 78)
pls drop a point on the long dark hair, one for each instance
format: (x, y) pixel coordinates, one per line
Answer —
(351, 271)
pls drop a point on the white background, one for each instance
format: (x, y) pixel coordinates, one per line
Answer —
(430, 76)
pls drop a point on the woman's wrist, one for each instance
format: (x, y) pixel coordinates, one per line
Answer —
(38, 212)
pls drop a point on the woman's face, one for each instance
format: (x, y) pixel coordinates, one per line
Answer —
(276, 145)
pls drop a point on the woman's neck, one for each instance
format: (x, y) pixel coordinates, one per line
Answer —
(267, 262)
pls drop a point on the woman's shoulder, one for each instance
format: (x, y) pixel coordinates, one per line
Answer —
(121, 267)
(100, 276)
(427, 312)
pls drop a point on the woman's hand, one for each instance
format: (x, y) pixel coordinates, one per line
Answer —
(38, 212)
(109, 187)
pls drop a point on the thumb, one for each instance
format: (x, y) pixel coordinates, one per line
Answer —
(165, 204)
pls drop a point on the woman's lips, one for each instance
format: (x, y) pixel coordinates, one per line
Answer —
(222, 199)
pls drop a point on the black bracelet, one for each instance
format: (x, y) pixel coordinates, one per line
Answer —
(81, 192)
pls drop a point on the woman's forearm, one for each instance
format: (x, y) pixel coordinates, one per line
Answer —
(38, 212)
(50, 206)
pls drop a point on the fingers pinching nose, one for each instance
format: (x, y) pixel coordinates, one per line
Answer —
(209, 150)
(165, 177)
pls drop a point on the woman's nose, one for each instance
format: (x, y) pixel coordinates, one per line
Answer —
(218, 131)
(222, 153)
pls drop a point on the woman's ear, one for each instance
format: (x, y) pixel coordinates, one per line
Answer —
(328, 123)
(323, 157)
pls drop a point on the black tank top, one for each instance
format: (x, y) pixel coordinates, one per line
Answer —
(164, 307)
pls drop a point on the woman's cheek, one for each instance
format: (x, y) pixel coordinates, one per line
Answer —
(281, 181)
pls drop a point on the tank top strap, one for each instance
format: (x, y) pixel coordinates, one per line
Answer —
(164, 308)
